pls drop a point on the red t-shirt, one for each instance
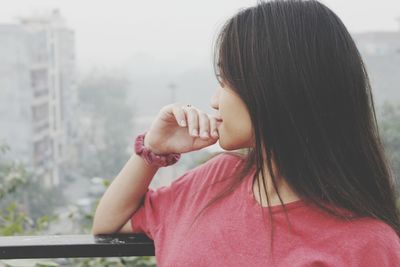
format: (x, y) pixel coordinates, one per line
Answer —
(232, 232)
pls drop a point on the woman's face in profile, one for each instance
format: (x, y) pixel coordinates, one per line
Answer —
(235, 131)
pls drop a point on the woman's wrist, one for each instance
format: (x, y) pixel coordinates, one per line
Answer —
(152, 158)
(146, 145)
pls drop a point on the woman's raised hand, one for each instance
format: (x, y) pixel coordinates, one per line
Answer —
(179, 129)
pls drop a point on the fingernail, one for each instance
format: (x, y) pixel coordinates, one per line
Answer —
(215, 133)
(183, 122)
(195, 132)
(204, 134)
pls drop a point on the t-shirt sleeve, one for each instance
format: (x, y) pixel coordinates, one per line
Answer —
(158, 205)
(383, 250)
(154, 207)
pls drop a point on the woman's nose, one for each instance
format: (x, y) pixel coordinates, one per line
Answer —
(214, 100)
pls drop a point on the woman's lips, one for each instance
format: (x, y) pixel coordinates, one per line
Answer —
(219, 122)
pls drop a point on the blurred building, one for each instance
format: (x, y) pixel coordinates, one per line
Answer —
(38, 93)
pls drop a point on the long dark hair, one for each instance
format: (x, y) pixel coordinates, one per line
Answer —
(300, 74)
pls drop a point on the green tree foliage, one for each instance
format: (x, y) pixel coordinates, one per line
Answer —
(143, 261)
(20, 198)
(15, 184)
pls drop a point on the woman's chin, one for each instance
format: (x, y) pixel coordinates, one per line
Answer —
(225, 145)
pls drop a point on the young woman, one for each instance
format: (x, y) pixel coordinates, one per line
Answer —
(313, 189)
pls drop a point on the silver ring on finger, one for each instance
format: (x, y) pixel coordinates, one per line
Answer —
(187, 106)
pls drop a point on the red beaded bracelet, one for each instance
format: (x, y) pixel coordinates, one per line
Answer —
(152, 159)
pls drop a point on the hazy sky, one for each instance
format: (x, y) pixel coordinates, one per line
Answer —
(112, 32)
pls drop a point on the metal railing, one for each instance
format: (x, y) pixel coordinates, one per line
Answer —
(75, 246)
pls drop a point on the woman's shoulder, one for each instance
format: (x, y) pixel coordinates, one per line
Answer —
(374, 230)
(361, 240)
(357, 231)
(367, 233)
(363, 228)
(376, 243)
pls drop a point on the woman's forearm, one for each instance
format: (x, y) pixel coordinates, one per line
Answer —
(122, 198)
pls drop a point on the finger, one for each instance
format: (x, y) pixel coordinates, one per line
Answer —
(193, 123)
(180, 115)
(213, 127)
(204, 125)
(201, 143)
